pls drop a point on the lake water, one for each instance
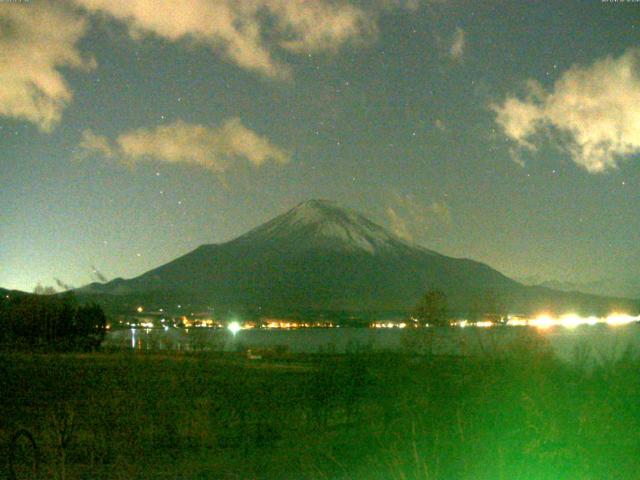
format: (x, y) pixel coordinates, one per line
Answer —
(599, 342)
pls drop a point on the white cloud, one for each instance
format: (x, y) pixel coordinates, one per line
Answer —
(239, 28)
(38, 39)
(456, 51)
(516, 156)
(596, 107)
(93, 143)
(319, 26)
(216, 149)
(413, 220)
(399, 224)
(35, 42)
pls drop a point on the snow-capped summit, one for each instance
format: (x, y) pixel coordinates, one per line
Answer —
(322, 224)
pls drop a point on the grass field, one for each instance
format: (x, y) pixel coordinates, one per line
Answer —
(514, 414)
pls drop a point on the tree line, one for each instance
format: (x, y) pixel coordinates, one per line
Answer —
(433, 308)
(50, 322)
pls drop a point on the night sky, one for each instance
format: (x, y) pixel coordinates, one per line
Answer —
(132, 131)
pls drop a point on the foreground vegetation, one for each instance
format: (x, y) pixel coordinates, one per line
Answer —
(518, 413)
(34, 322)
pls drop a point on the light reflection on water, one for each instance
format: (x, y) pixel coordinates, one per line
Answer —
(603, 342)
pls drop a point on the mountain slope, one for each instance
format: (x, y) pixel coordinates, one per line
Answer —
(318, 256)
(615, 286)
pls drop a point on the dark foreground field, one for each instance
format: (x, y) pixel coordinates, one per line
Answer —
(514, 414)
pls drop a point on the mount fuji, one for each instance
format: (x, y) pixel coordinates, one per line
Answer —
(320, 257)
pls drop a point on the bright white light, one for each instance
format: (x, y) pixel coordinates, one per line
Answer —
(616, 319)
(571, 320)
(484, 324)
(516, 322)
(543, 322)
(234, 327)
(591, 320)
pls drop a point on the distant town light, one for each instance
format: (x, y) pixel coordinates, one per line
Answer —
(234, 327)
(516, 322)
(139, 309)
(616, 319)
(484, 324)
(572, 320)
(543, 322)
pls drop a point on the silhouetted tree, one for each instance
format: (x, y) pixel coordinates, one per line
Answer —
(488, 304)
(431, 309)
(40, 290)
(90, 325)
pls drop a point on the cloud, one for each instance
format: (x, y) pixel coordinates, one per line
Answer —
(596, 108)
(215, 149)
(320, 26)
(247, 32)
(62, 285)
(399, 224)
(516, 156)
(98, 275)
(456, 51)
(412, 220)
(36, 41)
(93, 143)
